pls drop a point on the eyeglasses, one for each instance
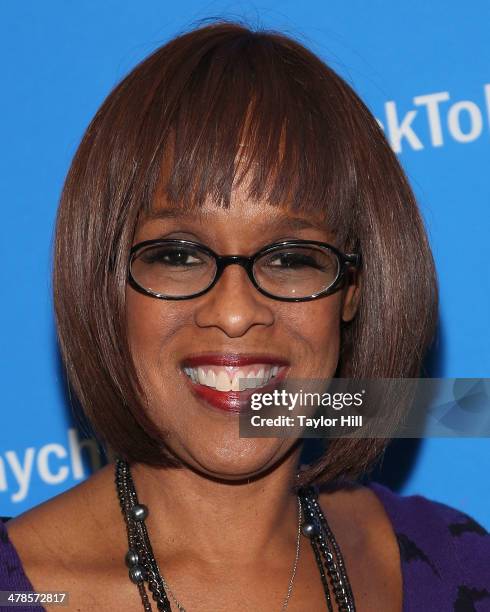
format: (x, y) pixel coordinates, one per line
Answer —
(291, 271)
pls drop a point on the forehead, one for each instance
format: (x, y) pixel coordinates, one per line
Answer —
(257, 214)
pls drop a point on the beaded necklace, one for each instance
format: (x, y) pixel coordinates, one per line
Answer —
(143, 566)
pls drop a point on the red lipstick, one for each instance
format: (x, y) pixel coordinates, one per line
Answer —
(232, 359)
(232, 401)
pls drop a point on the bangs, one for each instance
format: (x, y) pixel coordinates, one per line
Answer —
(251, 110)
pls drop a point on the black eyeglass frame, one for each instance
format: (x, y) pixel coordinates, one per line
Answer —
(346, 261)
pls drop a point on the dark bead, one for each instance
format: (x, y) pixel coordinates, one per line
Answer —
(136, 574)
(309, 529)
(131, 558)
(139, 512)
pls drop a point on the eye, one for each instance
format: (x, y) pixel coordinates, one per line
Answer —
(173, 256)
(296, 260)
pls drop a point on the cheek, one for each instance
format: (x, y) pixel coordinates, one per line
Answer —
(140, 317)
(316, 327)
(148, 323)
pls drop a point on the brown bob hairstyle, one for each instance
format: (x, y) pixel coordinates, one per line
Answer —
(311, 145)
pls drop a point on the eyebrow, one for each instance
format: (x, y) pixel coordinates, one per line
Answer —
(283, 223)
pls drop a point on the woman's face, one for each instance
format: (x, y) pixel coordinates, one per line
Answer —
(232, 320)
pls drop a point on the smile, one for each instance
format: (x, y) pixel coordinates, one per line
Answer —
(227, 381)
(226, 378)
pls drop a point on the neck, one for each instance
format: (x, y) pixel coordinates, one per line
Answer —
(190, 513)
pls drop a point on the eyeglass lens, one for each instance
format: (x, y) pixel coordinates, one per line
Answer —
(183, 270)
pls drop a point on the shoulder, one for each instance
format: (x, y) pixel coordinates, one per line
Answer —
(12, 575)
(366, 539)
(440, 544)
(61, 539)
(420, 515)
(56, 524)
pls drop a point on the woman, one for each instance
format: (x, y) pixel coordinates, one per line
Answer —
(227, 142)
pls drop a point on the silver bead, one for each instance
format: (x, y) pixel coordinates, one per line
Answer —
(308, 529)
(139, 512)
(131, 558)
(136, 574)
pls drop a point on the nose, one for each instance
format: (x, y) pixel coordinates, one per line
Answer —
(234, 305)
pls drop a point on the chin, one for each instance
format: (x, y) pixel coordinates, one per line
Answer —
(239, 459)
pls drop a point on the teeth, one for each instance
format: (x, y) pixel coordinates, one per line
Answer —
(191, 373)
(251, 380)
(211, 379)
(219, 378)
(235, 383)
(223, 381)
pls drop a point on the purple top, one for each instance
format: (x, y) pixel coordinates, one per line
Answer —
(445, 556)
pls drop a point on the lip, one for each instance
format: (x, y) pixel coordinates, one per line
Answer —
(234, 402)
(232, 359)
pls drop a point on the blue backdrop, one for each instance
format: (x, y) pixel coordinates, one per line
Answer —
(423, 69)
